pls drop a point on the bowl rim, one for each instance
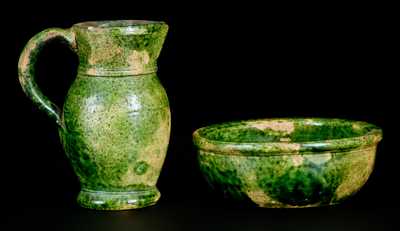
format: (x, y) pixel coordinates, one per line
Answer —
(112, 24)
(367, 140)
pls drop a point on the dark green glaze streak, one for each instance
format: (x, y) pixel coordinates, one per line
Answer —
(115, 123)
(270, 162)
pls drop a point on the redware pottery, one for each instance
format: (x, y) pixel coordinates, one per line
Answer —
(115, 123)
(288, 163)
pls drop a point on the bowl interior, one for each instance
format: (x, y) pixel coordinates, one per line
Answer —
(286, 130)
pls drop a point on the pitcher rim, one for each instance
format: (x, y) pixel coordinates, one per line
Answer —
(109, 24)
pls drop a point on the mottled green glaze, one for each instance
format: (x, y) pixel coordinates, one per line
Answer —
(115, 123)
(288, 162)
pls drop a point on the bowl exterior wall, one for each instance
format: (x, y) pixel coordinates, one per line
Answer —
(295, 180)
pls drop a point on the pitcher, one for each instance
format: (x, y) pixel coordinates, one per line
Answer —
(115, 123)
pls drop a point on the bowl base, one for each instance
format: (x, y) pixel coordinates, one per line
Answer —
(286, 206)
(103, 200)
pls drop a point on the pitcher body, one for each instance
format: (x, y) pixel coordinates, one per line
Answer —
(115, 123)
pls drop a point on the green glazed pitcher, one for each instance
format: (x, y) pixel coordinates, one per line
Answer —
(115, 123)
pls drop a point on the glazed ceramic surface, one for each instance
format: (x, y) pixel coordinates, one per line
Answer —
(288, 162)
(115, 123)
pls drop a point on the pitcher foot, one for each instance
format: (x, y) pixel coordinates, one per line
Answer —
(103, 200)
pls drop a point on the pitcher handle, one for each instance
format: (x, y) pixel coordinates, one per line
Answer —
(26, 68)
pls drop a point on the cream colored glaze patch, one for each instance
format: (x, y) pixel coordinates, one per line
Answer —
(297, 160)
(356, 126)
(24, 60)
(138, 60)
(91, 71)
(359, 170)
(151, 155)
(107, 52)
(280, 126)
(288, 146)
(285, 139)
(259, 197)
(319, 159)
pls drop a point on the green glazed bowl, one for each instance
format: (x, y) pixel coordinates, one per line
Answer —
(288, 163)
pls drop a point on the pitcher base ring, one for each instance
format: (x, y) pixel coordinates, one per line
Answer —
(103, 200)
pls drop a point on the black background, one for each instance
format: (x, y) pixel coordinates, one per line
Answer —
(219, 63)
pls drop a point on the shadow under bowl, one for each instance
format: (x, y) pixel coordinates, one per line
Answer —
(289, 162)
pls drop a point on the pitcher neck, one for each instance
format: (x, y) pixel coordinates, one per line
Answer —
(119, 48)
(137, 67)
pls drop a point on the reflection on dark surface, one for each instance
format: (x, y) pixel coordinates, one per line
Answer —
(203, 215)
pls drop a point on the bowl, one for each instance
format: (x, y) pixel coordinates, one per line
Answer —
(289, 162)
